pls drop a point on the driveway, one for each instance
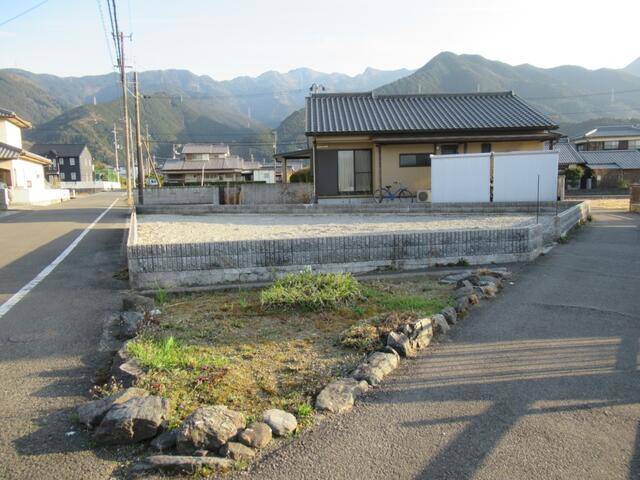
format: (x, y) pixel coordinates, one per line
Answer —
(540, 383)
(48, 340)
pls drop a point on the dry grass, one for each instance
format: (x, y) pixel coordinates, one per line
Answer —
(611, 203)
(264, 358)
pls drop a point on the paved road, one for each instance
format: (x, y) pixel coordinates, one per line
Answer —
(540, 383)
(48, 340)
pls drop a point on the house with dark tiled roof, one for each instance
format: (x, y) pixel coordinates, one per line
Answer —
(70, 162)
(363, 141)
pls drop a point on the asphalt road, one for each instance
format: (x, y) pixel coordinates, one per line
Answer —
(48, 340)
(539, 383)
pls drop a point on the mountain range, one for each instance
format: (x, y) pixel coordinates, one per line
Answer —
(179, 106)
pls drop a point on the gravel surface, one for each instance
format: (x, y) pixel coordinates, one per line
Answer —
(211, 228)
(540, 383)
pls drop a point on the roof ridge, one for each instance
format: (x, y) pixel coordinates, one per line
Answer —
(372, 94)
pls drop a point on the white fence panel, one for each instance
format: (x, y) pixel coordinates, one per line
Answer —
(460, 178)
(515, 176)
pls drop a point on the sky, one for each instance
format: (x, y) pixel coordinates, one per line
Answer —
(229, 38)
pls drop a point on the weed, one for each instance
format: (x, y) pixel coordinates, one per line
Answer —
(311, 292)
(563, 239)
(161, 296)
(168, 354)
(462, 262)
(304, 411)
(74, 418)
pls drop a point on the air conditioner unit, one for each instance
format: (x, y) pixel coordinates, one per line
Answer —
(423, 196)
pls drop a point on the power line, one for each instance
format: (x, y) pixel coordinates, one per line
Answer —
(23, 13)
(106, 35)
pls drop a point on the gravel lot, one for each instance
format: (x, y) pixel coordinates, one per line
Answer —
(208, 228)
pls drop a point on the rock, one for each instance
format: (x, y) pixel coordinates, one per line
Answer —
(201, 453)
(473, 279)
(496, 272)
(441, 323)
(450, 315)
(258, 435)
(489, 290)
(180, 464)
(281, 423)
(466, 283)
(165, 441)
(489, 280)
(462, 304)
(237, 451)
(137, 303)
(129, 324)
(474, 299)
(339, 396)
(91, 413)
(376, 367)
(208, 428)
(421, 323)
(463, 292)
(455, 277)
(135, 420)
(479, 292)
(126, 370)
(422, 337)
(401, 344)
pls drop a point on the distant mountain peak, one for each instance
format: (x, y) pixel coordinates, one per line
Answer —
(633, 67)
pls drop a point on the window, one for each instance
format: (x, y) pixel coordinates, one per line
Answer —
(61, 161)
(72, 161)
(200, 156)
(611, 145)
(354, 171)
(415, 159)
(73, 175)
(485, 148)
(623, 145)
(449, 149)
(61, 175)
(634, 144)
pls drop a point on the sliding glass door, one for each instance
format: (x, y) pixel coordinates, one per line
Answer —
(354, 171)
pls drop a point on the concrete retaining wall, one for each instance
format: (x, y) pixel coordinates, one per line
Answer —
(275, 193)
(565, 221)
(205, 264)
(180, 195)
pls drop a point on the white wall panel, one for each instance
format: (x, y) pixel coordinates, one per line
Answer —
(460, 178)
(515, 176)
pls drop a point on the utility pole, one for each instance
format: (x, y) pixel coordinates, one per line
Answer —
(138, 141)
(115, 146)
(125, 107)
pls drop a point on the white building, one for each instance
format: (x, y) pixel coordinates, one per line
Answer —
(22, 173)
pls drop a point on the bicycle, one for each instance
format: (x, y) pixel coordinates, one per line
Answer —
(385, 193)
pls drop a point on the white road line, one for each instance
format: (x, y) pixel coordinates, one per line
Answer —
(9, 304)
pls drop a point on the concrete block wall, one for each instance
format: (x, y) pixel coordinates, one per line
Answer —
(275, 193)
(181, 196)
(206, 264)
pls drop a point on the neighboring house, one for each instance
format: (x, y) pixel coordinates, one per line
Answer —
(610, 137)
(70, 162)
(291, 162)
(604, 168)
(207, 163)
(22, 173)
(361, 141)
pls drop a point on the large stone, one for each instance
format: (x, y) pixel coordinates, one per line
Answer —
(257, 435)
(132, 421)
(441, 323)
(474, 299)
(91, 413)
(462, 305)
(165, 441)
(463, 292)
(137, 303)
(339, 396)
(467, 282)
(455, 277)
(237, 451)
(450, 314)
(489, 290)
(489, 280)
(126, 370)
(175, 464)
(422, 338)
(128, 325)
(376, 367)
(281, 423)
(208, 428)
(401, 344)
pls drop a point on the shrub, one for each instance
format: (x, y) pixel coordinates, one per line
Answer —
(168, 354)
(573, 174)
(309, 291)
(303, 175)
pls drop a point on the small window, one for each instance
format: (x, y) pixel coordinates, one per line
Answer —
(61, 161)
(72, 161)
(415, 159)
(73, 175)
(485, 148)
(61, 175)
(449, 149)
(611, 145)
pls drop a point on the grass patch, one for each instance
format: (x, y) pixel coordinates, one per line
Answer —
(313, 292)
(238, 349)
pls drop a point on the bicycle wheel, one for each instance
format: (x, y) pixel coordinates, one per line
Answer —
(403, 193)
(379, 195)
